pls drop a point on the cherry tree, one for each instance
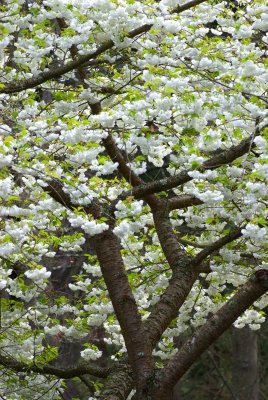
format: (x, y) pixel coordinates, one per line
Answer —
(133, 167)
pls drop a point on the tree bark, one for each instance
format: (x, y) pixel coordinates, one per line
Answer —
(138, 346)
(245, 378)
(209, 333)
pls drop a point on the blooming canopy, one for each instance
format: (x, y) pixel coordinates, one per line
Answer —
(133, 188)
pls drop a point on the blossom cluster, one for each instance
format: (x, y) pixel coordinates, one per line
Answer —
(184, 97)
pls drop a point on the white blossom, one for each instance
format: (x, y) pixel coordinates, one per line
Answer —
(38, 275)
(91, 354)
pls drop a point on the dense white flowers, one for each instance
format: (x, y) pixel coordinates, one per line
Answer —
(252, 318)
(38, 275)
(5, 160)
(70, 332)
(175, 98)
(260, 142)
(249, 68)
(123, 210)
(91, 354)
(73, 244)
(83, 286)
(6, 186)
(123, 229)
(3, 284)
(255, 232)
(103, 169)
(85, 156)
(229, 255)
(90, 227)
(6, 249)
(210, 197)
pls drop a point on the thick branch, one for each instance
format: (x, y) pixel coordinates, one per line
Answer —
(130, 176)
(171, 247)
(185, 272)
(234, 152)
(139, 350)
(184, 275)
(209, 332)
(55, 189)
(11, 363)
(170, 302)
(225, 157)
(181, 282)
(74, 52)
(116, 156)
(53, 73)
(120, 383)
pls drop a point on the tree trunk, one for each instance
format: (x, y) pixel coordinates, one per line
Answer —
(176, 395)
(245, 379)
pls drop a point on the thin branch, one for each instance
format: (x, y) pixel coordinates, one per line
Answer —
(191, 243)
(178, 202)
(234, 234)
(221, 375)
(187, 6)
(81, 70)
(54, 187)
(117, 156)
